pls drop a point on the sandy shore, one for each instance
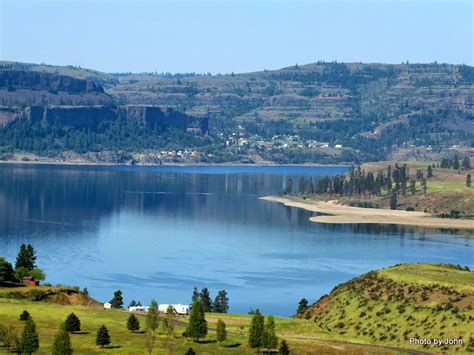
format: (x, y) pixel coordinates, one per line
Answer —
(337, 213)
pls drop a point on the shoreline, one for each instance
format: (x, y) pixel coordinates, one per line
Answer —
(80, 163)
(335, 213)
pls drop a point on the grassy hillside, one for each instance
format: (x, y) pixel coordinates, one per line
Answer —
(401, 302)
(48, 316)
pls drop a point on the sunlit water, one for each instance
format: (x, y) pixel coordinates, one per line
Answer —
(158, 232)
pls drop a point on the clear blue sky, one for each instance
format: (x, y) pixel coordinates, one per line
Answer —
(239, 36)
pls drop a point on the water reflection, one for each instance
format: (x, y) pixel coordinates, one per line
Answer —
(158, 232)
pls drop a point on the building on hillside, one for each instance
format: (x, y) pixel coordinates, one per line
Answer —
(107, 305)
(182, 309)
(29, 281)
(138, 309)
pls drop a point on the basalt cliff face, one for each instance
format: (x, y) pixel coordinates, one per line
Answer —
(62, 100)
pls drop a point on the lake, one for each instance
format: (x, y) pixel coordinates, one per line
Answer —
(156, 232)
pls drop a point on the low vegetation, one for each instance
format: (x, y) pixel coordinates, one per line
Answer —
(396, 304)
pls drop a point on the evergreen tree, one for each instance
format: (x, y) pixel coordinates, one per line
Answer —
(6, 270)
(117, 300)
(29, 341)
(25, 315)
(302, 306)
(62, 343)
(221, 332)
(190, 352)
(289, 186)
(132, 304)
(301, 185)
(393, 201)
(195, 296)
(72, 324)
(205, 299)
(133, 324)
(168, 322)
(197, 327)
(103, 337)
(456, 163)
(26, 257)
(424, 185)
(468, 180)
(221, 303)
(284, 349)
(152, 318)
(429, 173)
(256, 330)
(270, 340)
(466, 163)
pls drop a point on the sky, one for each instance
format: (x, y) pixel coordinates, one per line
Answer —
(233, 36)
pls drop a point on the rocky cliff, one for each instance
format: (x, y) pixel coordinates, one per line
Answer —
(90, 117)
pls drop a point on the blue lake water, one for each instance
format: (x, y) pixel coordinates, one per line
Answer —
(156, 232)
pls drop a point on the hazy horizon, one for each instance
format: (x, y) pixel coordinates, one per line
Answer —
(233, 36)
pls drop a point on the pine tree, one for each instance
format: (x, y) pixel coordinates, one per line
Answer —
(221, 303)
(117, 300)
(195, 296)
(393, 201)
(205, 299)
(29, 341)
(468, 180)
(284, 349)
(256, 330)
(270, 340)
(429, 173)
(289, 186)
(197, 327)
(221, 332)
(25, 315)
(302, 306)
(103, 337)
(190, 352)
(26, 257)
(466, 163)
(6, 270)
(133, 324)
(62, 343)
(301, 185)
(456, 164)
(152, 318)
(72, 324)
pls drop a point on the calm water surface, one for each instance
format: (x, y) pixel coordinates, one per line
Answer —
(158, 232)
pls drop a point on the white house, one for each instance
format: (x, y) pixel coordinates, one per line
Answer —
(138, 309)
(182, 309)
(107, 305)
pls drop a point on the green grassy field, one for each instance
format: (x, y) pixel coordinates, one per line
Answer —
(299, 333)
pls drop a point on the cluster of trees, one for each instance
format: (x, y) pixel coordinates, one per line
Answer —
(112, 135)
(219, 305)
(262, 334)
(25, 266)
(455, 163)
(358, 182)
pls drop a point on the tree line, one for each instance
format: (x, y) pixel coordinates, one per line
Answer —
(25, 266)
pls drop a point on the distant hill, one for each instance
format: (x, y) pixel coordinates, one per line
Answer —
(392, 305)
(368, 111)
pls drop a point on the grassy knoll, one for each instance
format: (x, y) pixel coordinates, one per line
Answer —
(392, 305)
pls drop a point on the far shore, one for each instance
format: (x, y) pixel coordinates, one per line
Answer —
(342, 214)
(87, 163)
